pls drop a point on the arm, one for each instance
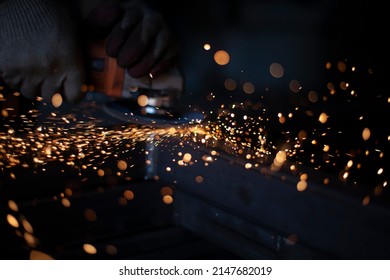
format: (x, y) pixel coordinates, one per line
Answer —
(39, 51)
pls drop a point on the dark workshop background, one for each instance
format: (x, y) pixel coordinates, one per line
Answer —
(302, 36)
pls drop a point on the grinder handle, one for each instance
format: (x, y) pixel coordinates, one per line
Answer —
(104, 74)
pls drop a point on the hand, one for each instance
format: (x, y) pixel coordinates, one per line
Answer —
(39, 50)
(138, 37)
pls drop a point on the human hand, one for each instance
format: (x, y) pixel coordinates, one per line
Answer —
(138, 37)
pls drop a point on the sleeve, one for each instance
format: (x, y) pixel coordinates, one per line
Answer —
(21, 17)
(40, 50)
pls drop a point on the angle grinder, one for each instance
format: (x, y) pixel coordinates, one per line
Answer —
(146, 101)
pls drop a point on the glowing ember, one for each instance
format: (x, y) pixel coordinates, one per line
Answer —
(166, 191)
(199, 179)
(12, 221)
(122, 165)
(187, 158)
(27, 226)
(56, 100)
(167, 199)
(302, 185)
(90, 249)
(366, 134)
(143, 100)
(128, 194)
(30, 239)
(323, 118)
(111, 250)
(65, 202)
(38, 255)
(221, 57)
(366, 200)
(276, 70)
(90, 215)
(13, 206)
(282, 140)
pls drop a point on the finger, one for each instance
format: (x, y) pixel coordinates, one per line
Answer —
(167, 61)
(142, 36)
(121, 32)
(149, 64)
(49, 87)
(14, 82)
(30, 90)
(72, 87)
(131, 18)
(162, 41)
(115, 40)
(142, 66)
(132, 49)
(151, 25)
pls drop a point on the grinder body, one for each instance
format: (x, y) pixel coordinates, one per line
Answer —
(109, 78)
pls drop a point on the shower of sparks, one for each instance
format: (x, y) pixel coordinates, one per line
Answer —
(84, 144)
(80, 143)
(334, 129)
(302, 136)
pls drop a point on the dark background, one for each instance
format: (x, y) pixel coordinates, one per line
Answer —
(300, 35)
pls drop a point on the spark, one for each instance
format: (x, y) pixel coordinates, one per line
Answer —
(89, 249)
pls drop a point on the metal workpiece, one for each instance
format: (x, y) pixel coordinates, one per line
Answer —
(141, 188)
(259, 214)
(151, 159)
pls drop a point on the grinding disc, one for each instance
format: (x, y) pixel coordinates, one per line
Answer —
(128, 112)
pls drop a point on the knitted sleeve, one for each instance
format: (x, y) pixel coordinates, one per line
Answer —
(23, 17)
(39, 46)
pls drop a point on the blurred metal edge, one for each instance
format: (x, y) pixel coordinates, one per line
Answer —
(259, 213)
